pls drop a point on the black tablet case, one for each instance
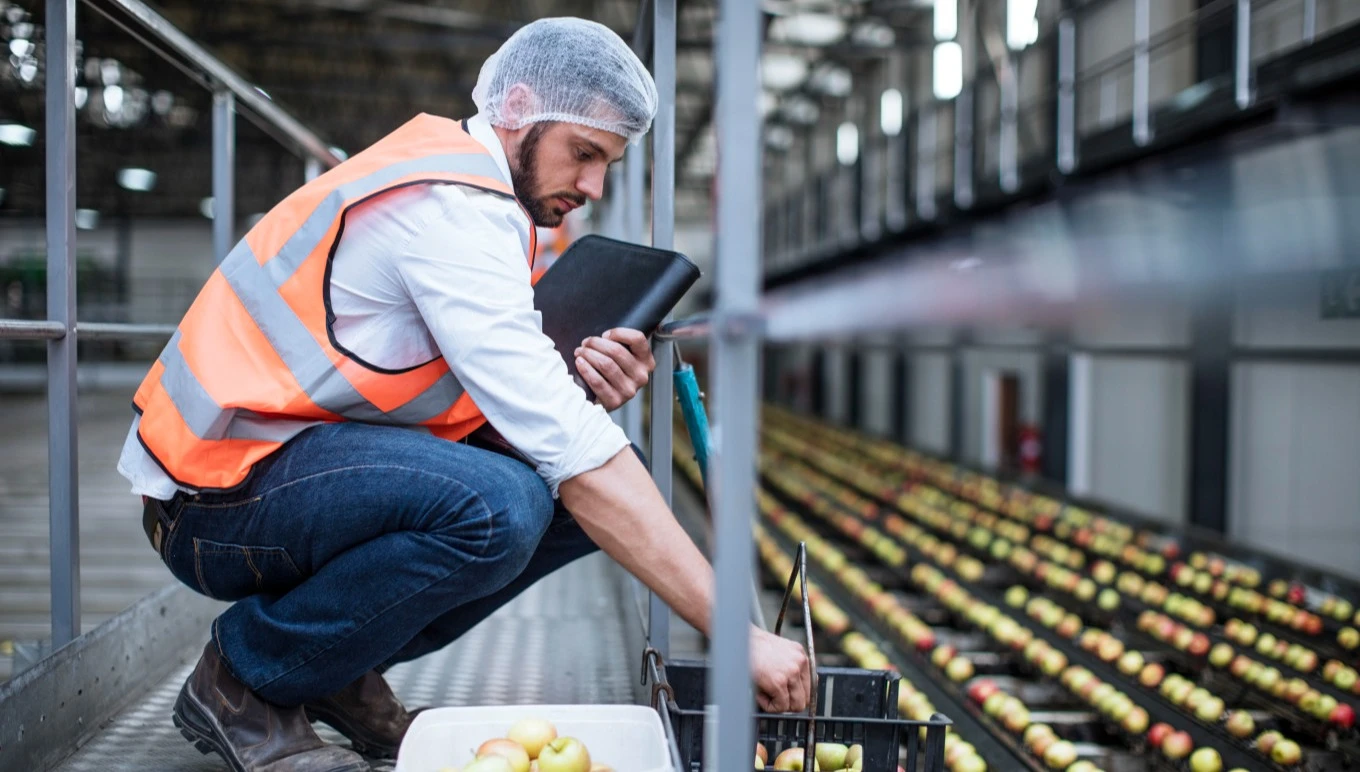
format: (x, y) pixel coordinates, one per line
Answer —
(601, 283)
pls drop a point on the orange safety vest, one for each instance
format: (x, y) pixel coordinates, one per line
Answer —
(254, 362)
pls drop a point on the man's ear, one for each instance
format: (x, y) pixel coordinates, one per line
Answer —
(520, 103)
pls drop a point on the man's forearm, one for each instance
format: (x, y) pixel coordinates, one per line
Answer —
(620, 508)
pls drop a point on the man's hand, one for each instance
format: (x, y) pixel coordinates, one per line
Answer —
(615, 366)
(779, 668)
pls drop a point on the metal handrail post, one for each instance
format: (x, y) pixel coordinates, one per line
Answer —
(734, 355)
(1243, 55)
(62, 472)
(1067, 97)
(1142, 129)
(224, 173)
(663, 237)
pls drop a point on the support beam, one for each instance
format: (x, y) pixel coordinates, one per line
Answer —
(224, 174)
(1210, 411)
(736, 346)
(62, 473)
(1053, 424)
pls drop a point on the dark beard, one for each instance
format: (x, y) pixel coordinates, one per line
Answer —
(525, 180)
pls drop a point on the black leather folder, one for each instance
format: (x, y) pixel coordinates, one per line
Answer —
(601, 283)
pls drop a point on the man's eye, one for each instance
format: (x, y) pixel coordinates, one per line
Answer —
(582, 155)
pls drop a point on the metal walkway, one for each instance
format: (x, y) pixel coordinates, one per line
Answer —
(562, 641)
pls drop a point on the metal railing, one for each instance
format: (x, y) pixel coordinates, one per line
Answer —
(61, 329)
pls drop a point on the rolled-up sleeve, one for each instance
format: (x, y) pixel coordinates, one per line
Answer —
(469, 278)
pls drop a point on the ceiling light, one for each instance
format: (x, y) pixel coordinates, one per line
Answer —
(110, 72)
(17, 135)
(948, 70)
(809, 29)
(847, 143)
(87, 219)
(832, 80)
(140, 180)
(782, 71)
(768, 103)
(890, 112)
(1022, 23)
(21, 47)
(946, 19)
(207, 207)
(113, 99)
(800, 109)
(872, 33)
(779, 136)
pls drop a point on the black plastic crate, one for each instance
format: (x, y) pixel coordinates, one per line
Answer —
(855, 706)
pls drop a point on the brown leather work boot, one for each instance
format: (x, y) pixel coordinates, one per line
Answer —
(217, 713)
(368, 713)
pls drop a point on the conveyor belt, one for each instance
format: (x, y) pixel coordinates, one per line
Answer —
(562, 641)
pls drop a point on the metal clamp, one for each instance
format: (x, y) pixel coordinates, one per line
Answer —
(648, 654)
(658, 688)
(800, 575)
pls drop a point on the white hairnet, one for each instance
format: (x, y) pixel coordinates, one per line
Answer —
(576, 71)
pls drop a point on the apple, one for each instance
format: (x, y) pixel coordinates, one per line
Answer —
(1083, 766)
(1151, 675)
(791, 760)
(1286, 753)
(1342, 715)
(993, 704)
(1181, 640)
(1199, 645)
(1136, 722)
(1016, 720)
(1346, 678)
(1330, 669)
(1158, 733)
(831, 756)
(1294, 689)
(970, 763)
(1205, 760)
(959, 669)
(1349, 638)
(509, 750)
(1060, 755)
(1053, 662)
(1177, 745)
(854, 757)
(1240, 724)
(981, 689)
(1035, 731)
(565, 754)
(1069, 626)
(1247, 635)
(942, 655)
(762, 754)
(492, 764)
(532, 734)
(1110, 648)
(1268, 678)
(1197, 696)
(1016, 596)
(1220, 655)
(1267, 740)
(1210, 711)
(1130, 663)
(1307, 661)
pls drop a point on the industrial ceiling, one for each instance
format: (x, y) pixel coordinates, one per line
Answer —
(353, 70)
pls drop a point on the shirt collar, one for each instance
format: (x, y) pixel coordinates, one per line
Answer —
(480, 129)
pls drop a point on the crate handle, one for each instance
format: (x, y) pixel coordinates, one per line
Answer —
(799, 575)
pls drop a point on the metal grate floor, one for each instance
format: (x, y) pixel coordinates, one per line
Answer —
(562, 641)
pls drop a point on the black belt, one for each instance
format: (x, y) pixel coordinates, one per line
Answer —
(155, 521)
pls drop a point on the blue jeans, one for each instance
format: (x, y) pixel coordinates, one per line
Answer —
(357, 547)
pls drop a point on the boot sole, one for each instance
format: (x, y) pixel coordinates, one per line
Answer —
(195, 727)
(369, 750)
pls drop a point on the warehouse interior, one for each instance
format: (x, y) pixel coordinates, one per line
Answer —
(1039, 304)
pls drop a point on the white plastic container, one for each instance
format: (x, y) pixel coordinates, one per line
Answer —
(626, 738)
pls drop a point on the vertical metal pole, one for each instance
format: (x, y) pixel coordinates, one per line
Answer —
(1243, 79)
(925, 163)
(1067, 95)
(311, 169)
(1141, 129)
(663, 237)
(1010, 132)
(963, 147)
(1079, 424)
(224, 172)
(1309, 20)
(62, 473)
(735, 350)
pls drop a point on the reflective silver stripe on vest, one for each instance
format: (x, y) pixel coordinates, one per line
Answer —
(207, 419)
(295, 250)
(306, 359)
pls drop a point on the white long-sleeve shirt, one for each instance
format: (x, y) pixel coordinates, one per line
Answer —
(441, 270)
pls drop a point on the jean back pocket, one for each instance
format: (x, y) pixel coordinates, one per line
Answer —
(235, 571)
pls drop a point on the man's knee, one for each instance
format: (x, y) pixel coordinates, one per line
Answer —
(520, 508)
